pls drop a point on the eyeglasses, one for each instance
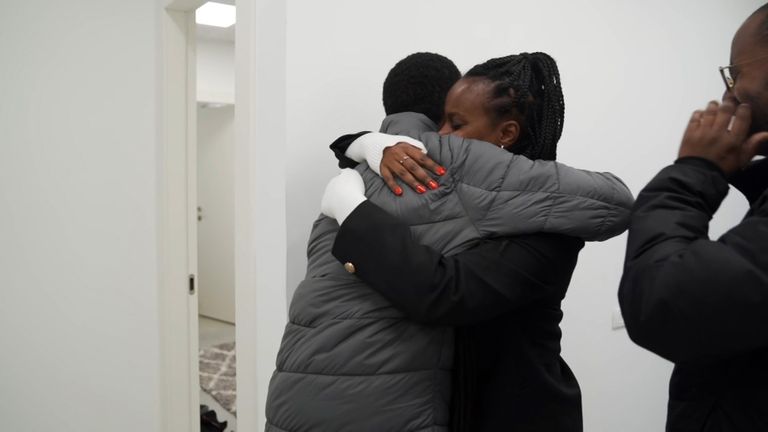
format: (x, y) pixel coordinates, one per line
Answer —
(729, 73)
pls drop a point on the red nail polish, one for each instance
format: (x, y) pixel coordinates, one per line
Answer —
(432, 184)
(421, 189)
(398, 191)
(440, 170)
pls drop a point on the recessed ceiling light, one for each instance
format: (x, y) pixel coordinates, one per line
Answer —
(216, 14)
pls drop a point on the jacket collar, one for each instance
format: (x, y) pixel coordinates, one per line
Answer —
(407, 123)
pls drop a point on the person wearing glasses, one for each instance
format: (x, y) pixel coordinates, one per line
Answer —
(701, 303)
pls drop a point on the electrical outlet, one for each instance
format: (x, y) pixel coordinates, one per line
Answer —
(617, 321)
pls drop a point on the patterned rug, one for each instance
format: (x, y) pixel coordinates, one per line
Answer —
(217, 374)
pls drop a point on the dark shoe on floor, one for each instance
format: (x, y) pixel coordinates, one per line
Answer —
(209, 422)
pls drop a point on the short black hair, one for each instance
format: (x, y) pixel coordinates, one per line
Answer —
(419, 83)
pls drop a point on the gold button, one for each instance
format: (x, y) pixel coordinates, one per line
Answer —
(349, 267)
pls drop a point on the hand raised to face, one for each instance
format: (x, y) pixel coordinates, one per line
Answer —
(720, 134)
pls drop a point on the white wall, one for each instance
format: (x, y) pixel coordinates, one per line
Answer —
(216, 197)
(78, 175)
(632, 73)
(216, 71)
(78, 218)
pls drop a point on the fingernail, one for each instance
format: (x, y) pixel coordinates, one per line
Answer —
(440, 170)
(421, 189)
(398, 191)
(432, 184)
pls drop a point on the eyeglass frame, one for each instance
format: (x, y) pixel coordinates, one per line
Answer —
(729, 80)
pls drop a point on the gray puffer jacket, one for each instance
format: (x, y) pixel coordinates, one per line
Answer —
(351, 361)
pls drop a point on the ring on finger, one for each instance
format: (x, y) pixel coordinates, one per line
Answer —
(405, 158)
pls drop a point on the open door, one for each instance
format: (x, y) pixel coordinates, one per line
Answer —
(180, 400)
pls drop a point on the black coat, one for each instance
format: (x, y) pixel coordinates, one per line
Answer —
(503, 294)
(702, 304)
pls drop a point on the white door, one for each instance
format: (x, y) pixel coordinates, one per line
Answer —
(179, 401)
(216, 218)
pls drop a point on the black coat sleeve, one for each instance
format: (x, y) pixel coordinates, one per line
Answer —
(683, 296)
(340, 146)
(495, 276)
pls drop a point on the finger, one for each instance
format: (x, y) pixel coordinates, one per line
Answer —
(392, 159)
(709, 114)
(400, 151)
(724, 115)
(729, 97)
(406, 177)
(693, 126)
(415, 162)
(695, 121)
(419, 173)
(697, 116)
(753, 146)
(426, 162)
(386, 175)
(742, 119)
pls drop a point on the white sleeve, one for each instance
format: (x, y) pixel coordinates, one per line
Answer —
(342, 195)
(370, 148)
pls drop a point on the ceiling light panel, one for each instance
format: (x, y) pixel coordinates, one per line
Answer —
(216, 14)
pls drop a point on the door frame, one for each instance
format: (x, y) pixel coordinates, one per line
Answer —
(260, 201)
(179, 380)
(260, 209)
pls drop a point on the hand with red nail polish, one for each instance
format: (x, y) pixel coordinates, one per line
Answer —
(420, 189)
(398, 191)
(409, 164)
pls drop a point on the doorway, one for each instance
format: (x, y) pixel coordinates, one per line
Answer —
(260, 240)
(215, 182)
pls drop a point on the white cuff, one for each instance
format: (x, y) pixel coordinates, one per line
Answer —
(356, 150)
(342, 195)
(370, 147)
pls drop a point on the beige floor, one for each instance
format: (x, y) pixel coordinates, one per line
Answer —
(213, 332)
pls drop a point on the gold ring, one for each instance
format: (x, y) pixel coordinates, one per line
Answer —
(405, 158)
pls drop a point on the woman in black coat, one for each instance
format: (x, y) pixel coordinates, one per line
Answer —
(504, 294)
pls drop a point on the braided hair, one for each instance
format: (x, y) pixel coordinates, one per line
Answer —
(527, 86)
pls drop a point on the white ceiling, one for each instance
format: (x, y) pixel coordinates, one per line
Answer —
(217, 34)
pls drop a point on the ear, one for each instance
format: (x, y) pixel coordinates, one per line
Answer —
(509, 132)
